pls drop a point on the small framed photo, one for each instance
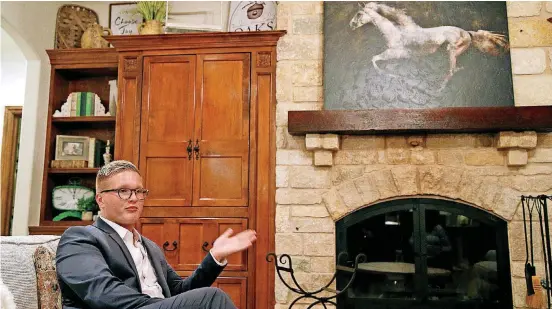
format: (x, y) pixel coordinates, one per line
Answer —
(70, 147)
(121, 22)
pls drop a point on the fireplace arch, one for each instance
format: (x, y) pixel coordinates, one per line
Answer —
(425, 253)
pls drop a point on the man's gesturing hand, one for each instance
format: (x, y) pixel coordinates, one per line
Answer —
(227, 244)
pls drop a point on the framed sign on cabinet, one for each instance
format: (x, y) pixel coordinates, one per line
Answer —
(121, 22)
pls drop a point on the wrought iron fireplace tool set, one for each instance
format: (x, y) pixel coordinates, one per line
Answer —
(530, 204)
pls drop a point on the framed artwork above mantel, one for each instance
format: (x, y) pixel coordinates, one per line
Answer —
(416, 55)
(414, 67)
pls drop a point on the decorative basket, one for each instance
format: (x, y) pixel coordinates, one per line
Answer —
(71, 22)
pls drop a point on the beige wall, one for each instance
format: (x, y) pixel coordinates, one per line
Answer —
(13, 68)
(366, 170)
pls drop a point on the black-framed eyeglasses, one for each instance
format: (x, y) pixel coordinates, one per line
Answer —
(125, 194)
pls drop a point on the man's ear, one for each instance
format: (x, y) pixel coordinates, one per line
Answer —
(99, 200)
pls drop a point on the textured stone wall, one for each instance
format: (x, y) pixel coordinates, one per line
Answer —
(531, 50)
(322, 178)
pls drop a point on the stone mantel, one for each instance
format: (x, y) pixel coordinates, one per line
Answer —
(516, 146)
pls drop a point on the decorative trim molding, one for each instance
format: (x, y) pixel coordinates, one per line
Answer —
(195, 40)
(263, 59)
(130, 64)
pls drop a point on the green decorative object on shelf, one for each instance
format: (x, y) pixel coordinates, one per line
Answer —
(87, 204)
(68, 214)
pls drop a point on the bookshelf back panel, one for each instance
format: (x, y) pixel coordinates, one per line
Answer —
(97, 84)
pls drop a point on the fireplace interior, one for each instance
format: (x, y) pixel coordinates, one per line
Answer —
(424, 253)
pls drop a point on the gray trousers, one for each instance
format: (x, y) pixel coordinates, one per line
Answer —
(202, 298)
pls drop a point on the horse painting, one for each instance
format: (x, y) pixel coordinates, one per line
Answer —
(405, 39)
(416, 54)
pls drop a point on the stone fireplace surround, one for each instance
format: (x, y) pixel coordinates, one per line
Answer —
(333, 176)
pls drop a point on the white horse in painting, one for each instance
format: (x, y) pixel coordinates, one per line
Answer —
(405, 39)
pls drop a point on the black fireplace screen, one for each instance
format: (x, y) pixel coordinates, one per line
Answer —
(424, 253)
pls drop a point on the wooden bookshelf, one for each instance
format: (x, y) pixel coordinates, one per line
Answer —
(84, 119)
(74, 70)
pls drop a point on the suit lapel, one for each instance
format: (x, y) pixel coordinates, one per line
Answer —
(111, 232)
(157, 266)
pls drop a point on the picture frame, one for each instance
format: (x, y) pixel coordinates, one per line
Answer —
(368, 65)
(122, 23)
(197, 16)
(252, 16)
(70, 147)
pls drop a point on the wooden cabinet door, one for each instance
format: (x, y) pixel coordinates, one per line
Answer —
(236, 288)
(155, 230)
(167, 127)
(236, 261)
(193, 238)
(222, 130)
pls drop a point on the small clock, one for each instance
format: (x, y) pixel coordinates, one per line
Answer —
(66, 197)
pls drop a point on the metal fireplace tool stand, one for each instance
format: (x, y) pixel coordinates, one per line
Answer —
(540, 205)
(285, 266)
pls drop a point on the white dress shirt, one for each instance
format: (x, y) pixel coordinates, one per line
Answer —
(148, 279)
(133, 241)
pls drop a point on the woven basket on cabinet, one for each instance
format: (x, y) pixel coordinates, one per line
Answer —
(72, 20)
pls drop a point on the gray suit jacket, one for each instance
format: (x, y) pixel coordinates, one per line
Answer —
(95, 270)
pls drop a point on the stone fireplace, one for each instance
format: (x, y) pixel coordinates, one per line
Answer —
(322, 179)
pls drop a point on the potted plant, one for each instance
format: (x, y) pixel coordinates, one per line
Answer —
(154, 14)
(87, 206)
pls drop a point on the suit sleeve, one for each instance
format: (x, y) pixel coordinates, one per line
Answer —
(82, 268)
(204, 276)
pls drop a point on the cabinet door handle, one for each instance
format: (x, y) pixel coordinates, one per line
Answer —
(204, 247)
(166, 244)
(189, 149)
(196, 149)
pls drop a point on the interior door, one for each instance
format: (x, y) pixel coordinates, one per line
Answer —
(167, 129)
(221, 139)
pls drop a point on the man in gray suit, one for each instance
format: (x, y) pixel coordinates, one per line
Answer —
(110, 265)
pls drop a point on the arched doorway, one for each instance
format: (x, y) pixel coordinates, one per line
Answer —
(12, 96)
(425, 253)
(28, 128)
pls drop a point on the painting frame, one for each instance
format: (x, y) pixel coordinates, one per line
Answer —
(71, 147)
(133, 23)
(364, 68)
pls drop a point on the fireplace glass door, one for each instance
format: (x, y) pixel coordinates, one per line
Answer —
(424, 253)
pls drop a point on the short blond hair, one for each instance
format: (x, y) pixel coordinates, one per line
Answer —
(113, 168)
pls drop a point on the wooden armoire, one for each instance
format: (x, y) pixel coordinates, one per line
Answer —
(196, 114)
